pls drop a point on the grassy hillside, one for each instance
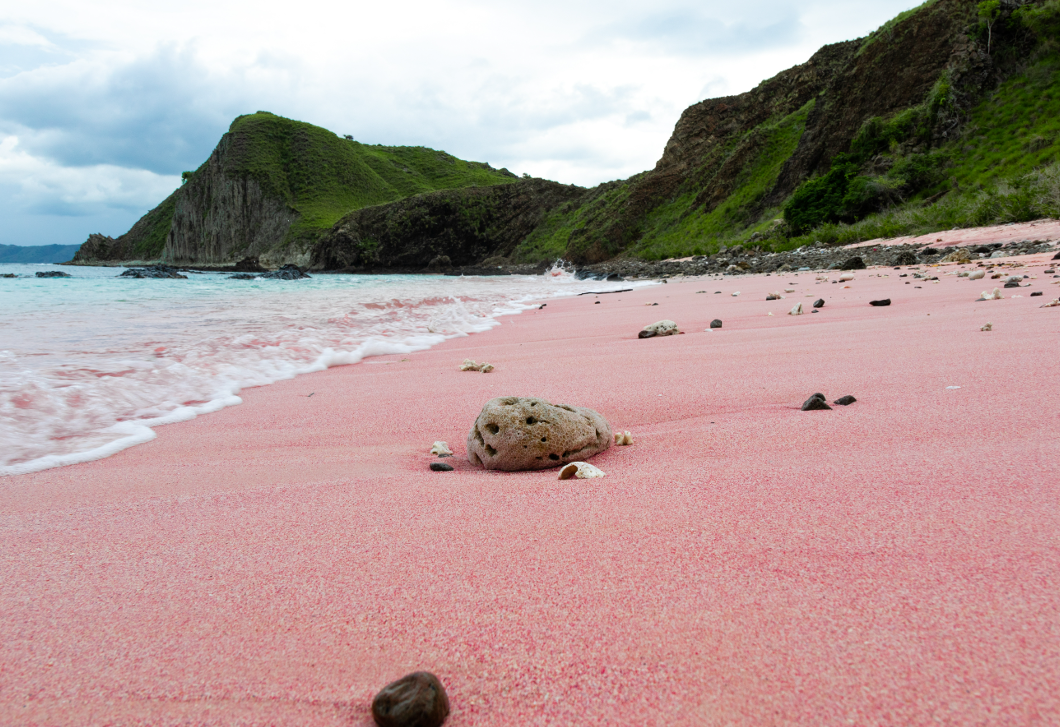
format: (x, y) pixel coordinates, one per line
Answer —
(323, 176)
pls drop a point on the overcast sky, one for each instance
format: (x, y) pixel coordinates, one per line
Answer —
(103, 104)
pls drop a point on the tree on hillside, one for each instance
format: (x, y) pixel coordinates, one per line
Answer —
(988, 15)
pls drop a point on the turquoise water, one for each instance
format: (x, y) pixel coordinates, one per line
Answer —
(89, 365)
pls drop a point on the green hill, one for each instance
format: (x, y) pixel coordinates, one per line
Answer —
(274, 185)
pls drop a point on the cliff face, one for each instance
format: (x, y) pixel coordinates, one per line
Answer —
(466, 226)
(221, 217)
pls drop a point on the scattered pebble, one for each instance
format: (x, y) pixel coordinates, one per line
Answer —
(1037, 294)
(470, 365)
(880, 303)
(441, 467)
(796, 311)
(819, 303)
(817, 402)
(716, 323)
(736, 294)
(987, 327)
(415, 700)
(659, 328)
(845, 400)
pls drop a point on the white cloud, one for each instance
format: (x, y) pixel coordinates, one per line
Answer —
(44, 186)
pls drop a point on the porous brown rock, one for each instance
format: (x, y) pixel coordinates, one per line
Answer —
(415, 700)
(519, 433)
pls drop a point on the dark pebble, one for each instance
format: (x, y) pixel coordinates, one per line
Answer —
(878, 303)
(1037, 293)
(817, 402)
(597, 303)
(845, 401)
(815, 311)
(819, 303)
(416, 700)
(716, 323)
(441, 467)
(542, 306)
(1013, 284)
(854, 263)
(657, 303)
(1056, 256)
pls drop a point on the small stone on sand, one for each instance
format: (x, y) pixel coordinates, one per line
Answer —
(441, 467)
(415, 700)
(878, 303)
(845, 400)
(716, 323)
(817, 402)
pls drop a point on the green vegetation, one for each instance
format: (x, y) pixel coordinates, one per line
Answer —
(666, 230)
(323, 176)
(152, 229)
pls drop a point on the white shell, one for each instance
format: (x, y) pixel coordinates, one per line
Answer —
(736, 294)
(623, 439)
(987, 327)
(977, 275)
(845, 277)
(1052, 304)
(441, 449)
(995, 294)
(581, 470)
(796, 311)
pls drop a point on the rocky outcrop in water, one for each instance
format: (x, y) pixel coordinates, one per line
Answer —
(153, 271)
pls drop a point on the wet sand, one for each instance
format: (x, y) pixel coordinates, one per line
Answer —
(743, 563)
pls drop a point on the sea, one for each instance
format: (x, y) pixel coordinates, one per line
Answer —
(93, 364)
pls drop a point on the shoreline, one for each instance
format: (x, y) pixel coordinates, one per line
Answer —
(742, 563)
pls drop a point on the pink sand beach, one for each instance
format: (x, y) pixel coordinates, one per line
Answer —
(894, 562)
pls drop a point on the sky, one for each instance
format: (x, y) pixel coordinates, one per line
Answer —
(103, 104)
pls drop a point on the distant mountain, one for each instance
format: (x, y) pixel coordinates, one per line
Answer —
(37, 253)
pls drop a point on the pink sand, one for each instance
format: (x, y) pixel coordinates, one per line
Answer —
(743, 563)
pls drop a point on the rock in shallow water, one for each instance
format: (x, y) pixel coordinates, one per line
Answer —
(416, 700)
(53, 274)
(287, 272)
(153, 271)
(520, 433)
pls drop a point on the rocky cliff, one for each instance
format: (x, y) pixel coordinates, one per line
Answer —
(450, 228)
